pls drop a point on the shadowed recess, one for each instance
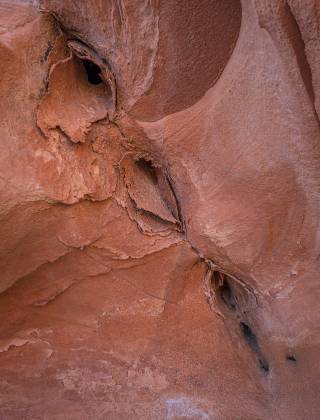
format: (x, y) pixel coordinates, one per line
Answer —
(93, 72)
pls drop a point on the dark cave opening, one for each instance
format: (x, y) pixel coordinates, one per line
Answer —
(93, 72)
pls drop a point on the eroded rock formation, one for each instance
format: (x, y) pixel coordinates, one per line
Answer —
(159, 187)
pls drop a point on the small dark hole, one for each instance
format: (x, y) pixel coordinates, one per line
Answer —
(93, 72)
(291, 358)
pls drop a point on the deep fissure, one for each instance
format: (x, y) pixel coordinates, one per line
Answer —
(252, 341)
(224, 289)
(93, 72)
(221, 285)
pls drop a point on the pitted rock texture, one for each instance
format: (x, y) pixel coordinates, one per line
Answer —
(159, 184)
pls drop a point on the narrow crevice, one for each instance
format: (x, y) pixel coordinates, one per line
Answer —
(221, 285)
(264, 365)
(47, 52)
(160, 179)
(231, 299)
(252, 341)
(177, 203)
(249, 336)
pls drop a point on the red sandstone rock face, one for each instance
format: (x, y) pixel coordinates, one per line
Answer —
(159, 209)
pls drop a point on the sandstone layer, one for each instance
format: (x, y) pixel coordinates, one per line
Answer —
(159, 208)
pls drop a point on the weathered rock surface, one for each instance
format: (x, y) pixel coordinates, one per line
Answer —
(159, 184)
